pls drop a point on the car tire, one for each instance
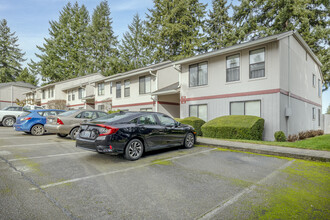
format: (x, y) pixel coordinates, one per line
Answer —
(61, 135)
(134, 149)
(27, 132)
(73, 133)
(189, 140)
(37, 130)
(8, 121)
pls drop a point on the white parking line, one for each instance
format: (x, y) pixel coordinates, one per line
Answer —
(25, 136)
(46, 143)
(116, 171)
(218, 209)
(53, 155)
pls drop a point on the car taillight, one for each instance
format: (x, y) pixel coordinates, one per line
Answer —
(26, 119)
(59, 122)
(107, 130)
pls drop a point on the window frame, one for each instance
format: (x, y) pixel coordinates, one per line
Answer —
(207, 110)
(314, 80)
(264, 48)
(43, 94)
(118, 95)
(207, 73)
(239, 67)
(319, 92)
(255, 100)
(127, 89)
(319, 117)
(313, 113)
(100, 89)
(73, 95)
(144, 83)
(81, 92)
(110, 88)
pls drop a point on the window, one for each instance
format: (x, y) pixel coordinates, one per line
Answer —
(313, 113)
(43, 94)
(314, 80)
(126, 88)
(257, 63)
(81, 93)
(232, 73)
(147, 120)
(198, 74)
(319, 88)
(102, 114)
(246, 108)
(146, 109)
(100, 107)
(100, 89)
(73, 95)
(319, 117)
(89, 115)
(199, 111)
(52, 93)
(48, 93)
(69, 97)
(144, 84)
(166, 120)
(118, 90)
(110, 87)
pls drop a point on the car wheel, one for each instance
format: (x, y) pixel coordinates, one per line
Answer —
(37, 130)
(73, 133)
(62, 135)
(134, 149)
(8, 122)
(189, 140)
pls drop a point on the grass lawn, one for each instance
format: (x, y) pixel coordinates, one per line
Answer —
(316, 143)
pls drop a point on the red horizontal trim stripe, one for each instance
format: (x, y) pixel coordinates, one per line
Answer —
(135, 104)
(7, 101)
(299, 98)
(261, 92)
(168, 103)
(82, 104)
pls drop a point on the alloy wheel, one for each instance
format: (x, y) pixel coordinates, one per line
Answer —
(37, 130)
(9, 122)
(190, 140)
(135, 149)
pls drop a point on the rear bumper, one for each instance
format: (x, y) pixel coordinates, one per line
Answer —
(58, 129)
(21, 127)
(100, 144)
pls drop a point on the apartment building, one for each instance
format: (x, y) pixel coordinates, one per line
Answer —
(11, 91)
(71, 93)
(142, 89)
(277, 78)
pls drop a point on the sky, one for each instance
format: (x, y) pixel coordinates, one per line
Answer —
(30, 20)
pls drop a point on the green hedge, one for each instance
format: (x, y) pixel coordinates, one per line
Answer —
(194, 122)
(235, 127)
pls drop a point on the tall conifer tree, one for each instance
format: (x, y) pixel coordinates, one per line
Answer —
(28, 77)
(175, 28)
(133, 49)
(258, 18)
(10, 55)
(102, 41)
(64, 54)
(218, 26)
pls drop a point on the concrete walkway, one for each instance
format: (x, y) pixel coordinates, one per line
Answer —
(268, 149)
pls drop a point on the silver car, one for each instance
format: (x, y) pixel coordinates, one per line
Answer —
(68, 123)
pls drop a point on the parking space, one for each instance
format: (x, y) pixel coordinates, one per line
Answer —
(50, 173)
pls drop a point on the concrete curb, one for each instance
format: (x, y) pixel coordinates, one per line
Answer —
(314, 155)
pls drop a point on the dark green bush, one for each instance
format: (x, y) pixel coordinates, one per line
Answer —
(194, 122)
(235, 127)
(112, 111)
(279, 136)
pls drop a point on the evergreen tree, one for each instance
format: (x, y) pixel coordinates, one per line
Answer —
(258, 18)
(133, 49)
(175, 29)
(27, 77)
(218, 26)
(102, 41)
(64, 54)
(10, 55)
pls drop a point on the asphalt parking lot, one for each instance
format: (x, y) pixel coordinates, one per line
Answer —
(47, 177)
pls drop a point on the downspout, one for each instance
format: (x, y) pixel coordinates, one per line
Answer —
(156, 88)
(289, 92)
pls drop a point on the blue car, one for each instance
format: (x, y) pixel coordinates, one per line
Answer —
(33, 121)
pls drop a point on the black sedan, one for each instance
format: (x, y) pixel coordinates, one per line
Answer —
(133, 133)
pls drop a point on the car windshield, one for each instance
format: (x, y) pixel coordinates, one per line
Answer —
(25, 113)
(113, 117)
(71, 112)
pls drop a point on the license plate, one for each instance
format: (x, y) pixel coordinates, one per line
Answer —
(85, 134)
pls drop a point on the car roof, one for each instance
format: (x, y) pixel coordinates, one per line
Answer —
(44, 110)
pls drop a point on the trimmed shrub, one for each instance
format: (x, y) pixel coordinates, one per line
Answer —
(302, 135)
(293, 138)
(320, 132)
(235, 127)
(279, 136)
(112, 111)
(194, 122)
